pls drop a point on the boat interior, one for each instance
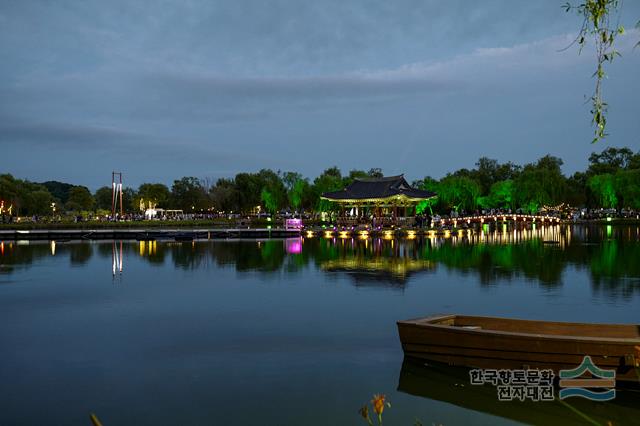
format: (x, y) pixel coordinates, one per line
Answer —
(628, 331)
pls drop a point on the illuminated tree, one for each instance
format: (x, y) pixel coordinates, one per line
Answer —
(152, 195)
(8, 190)
(427, 184)
(459, 193)
(539, 184)
(501, 195)
(296, 186)
(329, 180)
(604, 189)
(627, 186)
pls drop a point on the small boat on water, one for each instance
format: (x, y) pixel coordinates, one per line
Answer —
(502, 343)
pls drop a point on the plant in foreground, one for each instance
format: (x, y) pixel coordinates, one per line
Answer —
(378, 403)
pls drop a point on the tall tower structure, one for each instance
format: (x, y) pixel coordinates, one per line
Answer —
(116, 193)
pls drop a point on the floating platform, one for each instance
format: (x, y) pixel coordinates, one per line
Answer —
(147, 234)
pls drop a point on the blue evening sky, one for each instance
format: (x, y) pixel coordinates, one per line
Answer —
(164, 89)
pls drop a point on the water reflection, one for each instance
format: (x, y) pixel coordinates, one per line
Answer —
(116, 258)
(451, 385)
(493, 255)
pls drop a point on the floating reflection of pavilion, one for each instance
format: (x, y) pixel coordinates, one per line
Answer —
(385, 271)
(385, 201)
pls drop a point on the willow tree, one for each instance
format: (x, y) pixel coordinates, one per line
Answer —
(598, 26)
(604, 189)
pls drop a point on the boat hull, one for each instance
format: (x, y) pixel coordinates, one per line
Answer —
(513, 344)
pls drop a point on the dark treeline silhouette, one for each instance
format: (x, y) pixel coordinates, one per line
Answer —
(612, 180)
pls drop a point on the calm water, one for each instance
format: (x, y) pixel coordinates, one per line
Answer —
(286, 332)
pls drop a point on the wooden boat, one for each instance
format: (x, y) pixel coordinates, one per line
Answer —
(501, 343)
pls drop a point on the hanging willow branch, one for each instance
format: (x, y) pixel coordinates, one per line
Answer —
(597, 25)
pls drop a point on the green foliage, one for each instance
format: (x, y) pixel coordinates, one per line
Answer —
(501, 195)
(627, 186)
(611, 180)
(39, 202)
(271, 182)
(609, 161)
(329, 180)
(297, 192)
(188, 194)
(103, 197)
(598, 26)
(80, 199)
(59, 190)
(540, 184)
(9, 189)
(269, 200)
(225, 195)
(603, 187)
(249, 189)
(459, 193)
(154, 195)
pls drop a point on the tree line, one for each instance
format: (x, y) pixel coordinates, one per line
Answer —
(611, 180)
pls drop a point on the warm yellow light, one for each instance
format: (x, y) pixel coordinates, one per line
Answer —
(328, 234)
(344, 234)
(309, 234)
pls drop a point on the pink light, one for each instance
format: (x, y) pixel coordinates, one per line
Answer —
(293, 246)
(293, 223)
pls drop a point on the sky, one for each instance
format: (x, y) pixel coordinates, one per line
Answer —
(164, 89)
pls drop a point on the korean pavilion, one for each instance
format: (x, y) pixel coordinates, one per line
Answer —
(380, 201)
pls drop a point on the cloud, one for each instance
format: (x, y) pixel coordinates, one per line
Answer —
(63, 136)
(196, 86)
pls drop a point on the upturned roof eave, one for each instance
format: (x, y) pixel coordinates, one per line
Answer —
(401, 197)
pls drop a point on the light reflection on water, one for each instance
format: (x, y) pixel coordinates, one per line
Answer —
(227, 332)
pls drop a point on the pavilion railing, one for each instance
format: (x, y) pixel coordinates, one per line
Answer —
(376, 222)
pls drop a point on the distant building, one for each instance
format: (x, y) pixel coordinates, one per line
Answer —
(386, 199)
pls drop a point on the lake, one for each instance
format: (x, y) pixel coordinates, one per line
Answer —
(288, 332)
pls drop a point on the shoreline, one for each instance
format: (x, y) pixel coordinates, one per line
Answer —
(206, 225)
(182, 234)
